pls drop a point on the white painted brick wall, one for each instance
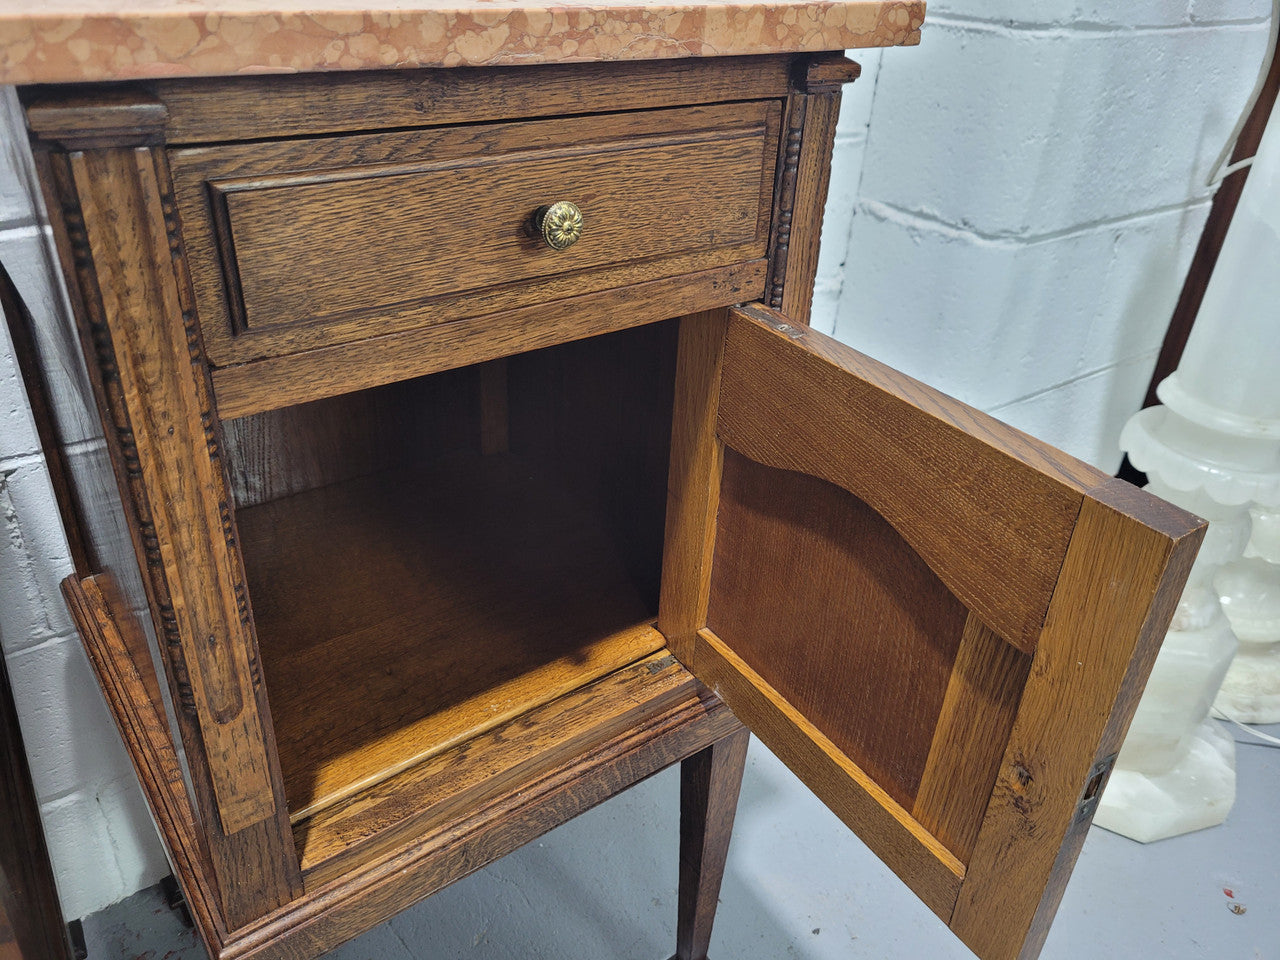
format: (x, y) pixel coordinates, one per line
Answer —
(1012, 209)
(1030, 193)
(99, 833)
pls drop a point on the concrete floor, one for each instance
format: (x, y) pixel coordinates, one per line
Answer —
(799, 885)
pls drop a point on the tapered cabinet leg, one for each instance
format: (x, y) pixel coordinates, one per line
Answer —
(709, 783)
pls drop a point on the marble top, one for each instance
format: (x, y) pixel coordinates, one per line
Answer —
(59, 41)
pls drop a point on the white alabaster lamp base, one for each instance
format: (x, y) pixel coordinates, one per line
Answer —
(1196, 793)
(1250, 692)
(1249, 590)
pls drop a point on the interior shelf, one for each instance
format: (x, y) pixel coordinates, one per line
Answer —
(401, 613)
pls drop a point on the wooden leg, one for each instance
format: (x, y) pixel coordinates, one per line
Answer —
(709, 782)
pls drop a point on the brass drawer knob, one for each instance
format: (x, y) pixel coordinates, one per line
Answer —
(559, 223)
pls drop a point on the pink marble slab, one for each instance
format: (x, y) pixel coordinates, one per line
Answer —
(57, 41)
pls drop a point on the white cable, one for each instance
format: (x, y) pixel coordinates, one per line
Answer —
(1216, 173)
(1219, 715)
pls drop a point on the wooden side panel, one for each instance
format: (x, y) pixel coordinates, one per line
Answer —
(1120, 584)
(120, 238)
(987, 507)
(823, 599)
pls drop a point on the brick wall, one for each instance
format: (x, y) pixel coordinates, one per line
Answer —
(1030, 190)
(1012, 210)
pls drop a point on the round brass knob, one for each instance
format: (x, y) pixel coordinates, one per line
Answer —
(560, 224)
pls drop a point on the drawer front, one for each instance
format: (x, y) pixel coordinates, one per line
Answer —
(307, 243)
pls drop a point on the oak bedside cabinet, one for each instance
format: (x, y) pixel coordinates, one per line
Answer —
(465, 458)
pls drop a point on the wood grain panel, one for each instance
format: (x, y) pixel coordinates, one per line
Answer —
(466, 776)
(467, 592)
(286, 451)
(913, 853)
(595, 414)
(243, 108)
(989, 509)
(411, 226)
(280, 381)
(970, 736)
(821, 597)
(693, 487)
(1120, 584)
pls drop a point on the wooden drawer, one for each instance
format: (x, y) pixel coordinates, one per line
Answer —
(307, 243)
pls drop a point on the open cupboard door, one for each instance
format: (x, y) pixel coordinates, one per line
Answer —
(940, 624)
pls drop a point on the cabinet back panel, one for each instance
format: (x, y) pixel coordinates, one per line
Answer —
(597, 413)
(292, 449)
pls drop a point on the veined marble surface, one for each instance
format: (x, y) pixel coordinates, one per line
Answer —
(58, 41)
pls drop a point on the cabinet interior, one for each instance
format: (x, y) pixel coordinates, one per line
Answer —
(428, 559)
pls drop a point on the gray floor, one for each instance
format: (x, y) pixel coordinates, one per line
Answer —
(798, 885)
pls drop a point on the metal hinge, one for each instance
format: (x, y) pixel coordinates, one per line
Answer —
(1093, 788)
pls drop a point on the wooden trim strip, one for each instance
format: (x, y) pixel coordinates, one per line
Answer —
(147, 739)
(313, 374)
(968, 743)
(794, 294)
(910, 850)
(468, 774)
(693, 487)
(237, 108)
(155, 363)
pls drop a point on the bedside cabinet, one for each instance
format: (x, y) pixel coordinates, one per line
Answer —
(448, 489)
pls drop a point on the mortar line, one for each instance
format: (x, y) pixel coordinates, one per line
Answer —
(1144, 354)
(924, 220)
(20, 461)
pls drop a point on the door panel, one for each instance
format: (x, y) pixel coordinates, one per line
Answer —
(941, 624)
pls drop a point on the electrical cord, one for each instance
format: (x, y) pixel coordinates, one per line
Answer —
(1218, 172)
(1270, 740)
